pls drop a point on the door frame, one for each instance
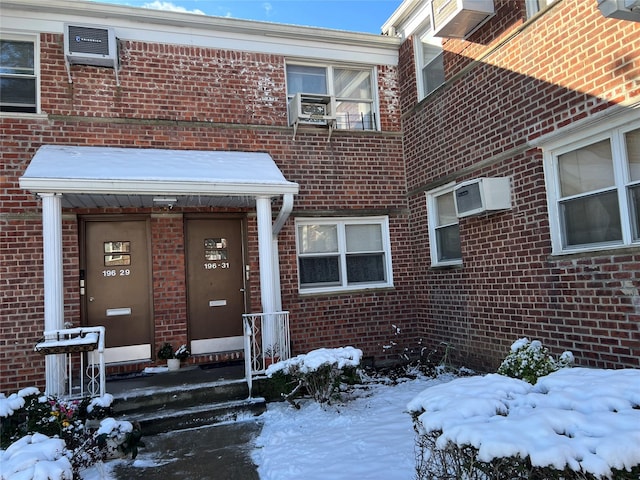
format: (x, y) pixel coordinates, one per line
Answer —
(83, 220)
(242, 218)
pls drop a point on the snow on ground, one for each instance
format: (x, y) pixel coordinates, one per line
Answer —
(370, 436)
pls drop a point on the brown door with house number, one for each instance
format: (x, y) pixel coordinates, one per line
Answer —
(215, 283)
(117, 291)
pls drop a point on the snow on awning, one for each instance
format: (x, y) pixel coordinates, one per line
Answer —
(112, 176)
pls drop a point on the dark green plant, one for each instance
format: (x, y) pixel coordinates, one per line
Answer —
(166, 351)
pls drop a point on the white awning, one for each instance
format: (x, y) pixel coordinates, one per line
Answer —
(112, 176)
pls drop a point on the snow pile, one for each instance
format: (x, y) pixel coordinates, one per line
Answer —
(104, 401)
(312, 361)
(36, 457)
(15, 401)
(584, 419)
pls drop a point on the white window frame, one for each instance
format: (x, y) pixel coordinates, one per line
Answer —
(612, 129)
(341, 222)
(329, 67)
(432, 218)
(425, 36)
(35, 39)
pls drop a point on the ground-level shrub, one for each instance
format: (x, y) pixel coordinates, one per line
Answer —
(318, 373)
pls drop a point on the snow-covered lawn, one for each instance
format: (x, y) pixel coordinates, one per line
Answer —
(371, 436)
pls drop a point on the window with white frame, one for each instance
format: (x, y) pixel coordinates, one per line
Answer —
(444, 231)
(352, 87)
(429, 62)
(18, 74)
(534, 6)
(343, 253)
(594, 190)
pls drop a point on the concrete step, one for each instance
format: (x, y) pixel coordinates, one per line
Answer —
(175, 419)
(191, 397)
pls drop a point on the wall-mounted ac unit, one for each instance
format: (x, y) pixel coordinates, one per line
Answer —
(620, 9)
(312, 109)
(460, 18)
(90, 45)
(482, 195)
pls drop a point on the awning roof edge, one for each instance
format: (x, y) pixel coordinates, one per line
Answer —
(115, 170)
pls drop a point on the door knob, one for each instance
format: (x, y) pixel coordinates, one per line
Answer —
(91, 299)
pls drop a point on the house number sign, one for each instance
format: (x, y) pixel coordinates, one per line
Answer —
(215, 254)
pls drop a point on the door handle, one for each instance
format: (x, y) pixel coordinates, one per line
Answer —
(242, 290)
(91, 299)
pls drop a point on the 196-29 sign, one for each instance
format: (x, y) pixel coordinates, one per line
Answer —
(114, 272)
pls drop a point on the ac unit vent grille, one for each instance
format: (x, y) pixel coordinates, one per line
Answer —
(88, 40)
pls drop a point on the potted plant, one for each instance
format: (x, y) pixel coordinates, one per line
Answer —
(172, 357)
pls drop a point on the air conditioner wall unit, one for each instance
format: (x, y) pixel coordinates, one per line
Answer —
(482, 195)
(620, 9)
(460, 18)
(90, 45)
(312, 109)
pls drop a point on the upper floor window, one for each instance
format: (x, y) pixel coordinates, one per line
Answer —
(18, 75)
(594, 191)
(343, 254)
(352, 87)
(429, 63)
(444, 231)
(534, 6)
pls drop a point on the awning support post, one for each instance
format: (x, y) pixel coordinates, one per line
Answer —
(53, 286)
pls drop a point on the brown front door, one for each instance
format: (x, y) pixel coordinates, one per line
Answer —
(117, 283)
(215, 283)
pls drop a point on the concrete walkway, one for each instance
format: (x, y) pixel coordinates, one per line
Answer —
(221, 452)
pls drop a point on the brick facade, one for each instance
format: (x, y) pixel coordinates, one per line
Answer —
(511, 82)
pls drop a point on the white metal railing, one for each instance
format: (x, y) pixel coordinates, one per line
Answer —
(68, 376)
(266, 341)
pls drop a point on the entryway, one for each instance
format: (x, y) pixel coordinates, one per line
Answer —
(215, 283)
(115, 285)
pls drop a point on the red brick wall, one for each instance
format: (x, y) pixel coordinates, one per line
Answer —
(553, 71)
(189, 98)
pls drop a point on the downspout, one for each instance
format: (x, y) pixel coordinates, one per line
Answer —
(283, 215)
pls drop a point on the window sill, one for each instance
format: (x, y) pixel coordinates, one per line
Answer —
(346, 291)
(28, 116)
(595, 252)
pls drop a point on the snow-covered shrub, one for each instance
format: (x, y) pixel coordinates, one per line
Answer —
(573, 424)
(28, 419)
(319, 372)
(531, 360)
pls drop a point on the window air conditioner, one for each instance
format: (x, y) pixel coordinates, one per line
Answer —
(460, 18)
(482, 195)
(90, 45)
(620, 9)
(312, 109)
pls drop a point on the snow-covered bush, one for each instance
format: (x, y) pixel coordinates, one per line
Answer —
(319, 372)
(573, 424)
(29, 420)
(531, 360)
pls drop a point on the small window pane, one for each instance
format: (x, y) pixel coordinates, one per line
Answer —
(305, 79)
(632, 139)
(316, 271)
(355, 116)
(363, 238)
(117, 247)
(592, 219)
(432, 67)
(365, 268)
(318, 238)
(446, 208)
(117, 260)
(16, 57)
(586, 169)
(355, 84)
(448, 241)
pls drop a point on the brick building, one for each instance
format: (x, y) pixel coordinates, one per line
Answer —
(208, 167)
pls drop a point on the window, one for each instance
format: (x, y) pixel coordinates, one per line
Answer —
(444, 231)
(429, 63)
(534, 6)
(594, 191)
(343, 254)
(18, 75)
(352, 88)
